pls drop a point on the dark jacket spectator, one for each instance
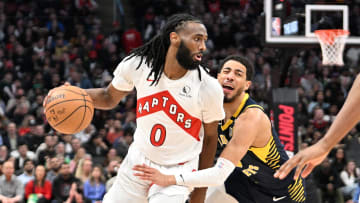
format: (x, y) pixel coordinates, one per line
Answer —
(62, 184)
(96, 146)
(328, 180)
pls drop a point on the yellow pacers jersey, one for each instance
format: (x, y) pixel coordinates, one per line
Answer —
(259, 164)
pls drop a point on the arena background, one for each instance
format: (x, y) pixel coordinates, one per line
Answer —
(44, 43)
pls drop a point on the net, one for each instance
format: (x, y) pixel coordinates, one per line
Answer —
(332, 44)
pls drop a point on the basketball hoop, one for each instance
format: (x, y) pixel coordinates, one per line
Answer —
(332, 45)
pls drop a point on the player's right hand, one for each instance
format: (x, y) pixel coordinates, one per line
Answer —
(50, 93)
(153, 175)
(305, 161)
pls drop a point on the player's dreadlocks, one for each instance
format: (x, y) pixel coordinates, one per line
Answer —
(154, 51)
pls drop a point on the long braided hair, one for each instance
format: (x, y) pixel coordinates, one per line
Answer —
(154, 51)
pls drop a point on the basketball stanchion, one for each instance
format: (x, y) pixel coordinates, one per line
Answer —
(332, 44)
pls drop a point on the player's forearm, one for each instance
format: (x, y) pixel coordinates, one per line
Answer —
(208, 152)
(209, 146)
(101, 98)
(206, 158)
(346, 119)
(105, 98)
(213, 176)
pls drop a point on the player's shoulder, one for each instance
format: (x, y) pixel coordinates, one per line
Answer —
(210, 87)
(255, 113)
(131, 60)
(207, 79)
(130, 64)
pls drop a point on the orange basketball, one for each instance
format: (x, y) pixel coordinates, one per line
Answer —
(69, 109)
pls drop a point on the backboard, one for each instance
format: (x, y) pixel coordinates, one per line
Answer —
(291, 23)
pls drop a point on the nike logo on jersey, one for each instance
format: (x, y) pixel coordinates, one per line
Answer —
(164, 101)
(276, 199)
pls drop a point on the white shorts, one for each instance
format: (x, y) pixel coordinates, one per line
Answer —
(128, 187)
(218, 194)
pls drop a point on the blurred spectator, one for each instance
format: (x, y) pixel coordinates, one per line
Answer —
(60, 151)
(52, 166)
(309, 81)
(339, 161)
(115, 131)
(111, 169)
(11, 189)
(21, 155)
(122, 143)
(76, 145)
(53, 25)
(214, 6)
(130, 121)
(11, 137)
(5, 85)
(318, 119)
(4, 153)
(97, 148)
(94, 188)
(25, 127)
(80, 79)
(111, 155)
(35, 137)
(131, 38)
(318, 101)
(356, 197)
(80, 154)
(15, 101)
(89, 5)
(76, 195)
(47, 149)
(67, 144)
(349, 178)
(111, 172)
(83, 171)
(27, 174)
(62, 184)
(328, 180)
(40, 187)
(86, 134)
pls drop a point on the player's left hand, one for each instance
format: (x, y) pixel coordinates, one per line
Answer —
(151, 174)
(304, 161)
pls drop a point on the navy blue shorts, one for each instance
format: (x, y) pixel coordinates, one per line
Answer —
(242, 189)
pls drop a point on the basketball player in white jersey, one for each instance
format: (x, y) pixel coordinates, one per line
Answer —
(178, 108)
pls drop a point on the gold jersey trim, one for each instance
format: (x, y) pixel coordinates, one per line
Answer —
(262, 152)
(236, 114)
(296, 191)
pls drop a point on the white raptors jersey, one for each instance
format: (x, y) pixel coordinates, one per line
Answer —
(170, 115)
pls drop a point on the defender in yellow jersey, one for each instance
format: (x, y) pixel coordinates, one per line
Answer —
(250, 150)
(252, 180)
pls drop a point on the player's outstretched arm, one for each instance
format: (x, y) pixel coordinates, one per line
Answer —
(346, 119)
(103, 98)
(246, 130)
(106, 98)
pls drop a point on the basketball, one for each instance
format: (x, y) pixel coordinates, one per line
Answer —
(69, 109)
